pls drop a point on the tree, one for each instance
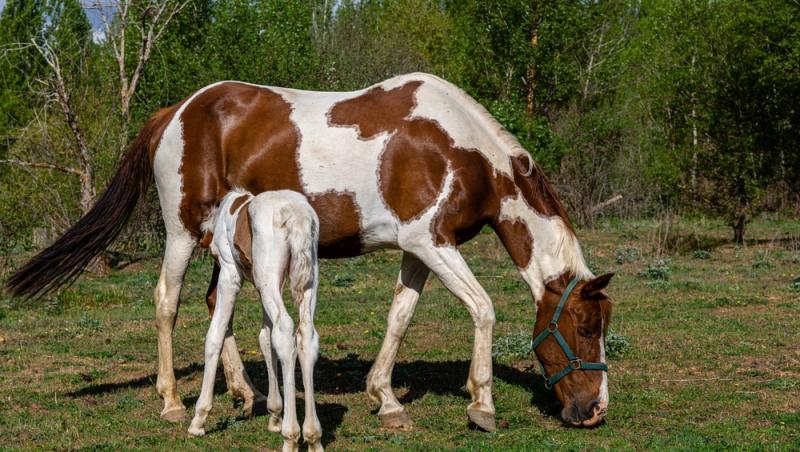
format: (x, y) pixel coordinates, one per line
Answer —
(21, 21)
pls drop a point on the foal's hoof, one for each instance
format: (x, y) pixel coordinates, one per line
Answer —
(483, 420)
(195, 431)
(176, 414)
(399, 420)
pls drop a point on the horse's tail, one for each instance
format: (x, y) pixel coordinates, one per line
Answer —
(302, 228)
(62, 262)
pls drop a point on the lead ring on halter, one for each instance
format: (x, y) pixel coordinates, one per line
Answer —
(575, 363)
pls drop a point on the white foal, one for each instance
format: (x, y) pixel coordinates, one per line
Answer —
(261, 238)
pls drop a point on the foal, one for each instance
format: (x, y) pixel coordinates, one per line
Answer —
(261, 238)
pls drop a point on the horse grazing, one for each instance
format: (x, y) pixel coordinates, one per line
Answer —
(261, 238)
(412, 163)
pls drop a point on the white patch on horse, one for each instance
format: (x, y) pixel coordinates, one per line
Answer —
(604, 384)
(335, 159)
(555, 248)
(418, 232)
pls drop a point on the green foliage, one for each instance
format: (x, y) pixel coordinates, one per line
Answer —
(88, 323)
(616, 344)
(795, 285)
(657, 270)
(674, 104)
(511, 346)
(627, 255)
(20, 22)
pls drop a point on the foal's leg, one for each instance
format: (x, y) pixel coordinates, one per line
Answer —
(284, 345)
(410, 282)
(223, 313)
(450, 267)
(274, 402)
(308, 350)
(177, 253)
(239, 383)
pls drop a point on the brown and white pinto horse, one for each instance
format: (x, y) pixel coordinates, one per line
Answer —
(412, 163)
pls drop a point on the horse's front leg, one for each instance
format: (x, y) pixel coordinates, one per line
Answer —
(451, 268)
(413, 274)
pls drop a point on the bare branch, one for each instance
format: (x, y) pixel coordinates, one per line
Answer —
(41, 165)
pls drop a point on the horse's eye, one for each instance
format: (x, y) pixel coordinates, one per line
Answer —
(585, 333)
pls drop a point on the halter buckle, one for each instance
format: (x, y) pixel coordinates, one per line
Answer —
(575, 364)
(547, 384)
(552, 327)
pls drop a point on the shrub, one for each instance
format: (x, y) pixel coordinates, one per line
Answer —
(658, 270)
(616, 344)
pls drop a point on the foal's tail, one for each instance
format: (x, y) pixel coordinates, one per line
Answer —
(303, 230)
(62, 262)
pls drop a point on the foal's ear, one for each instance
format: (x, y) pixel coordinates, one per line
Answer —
(594, 288)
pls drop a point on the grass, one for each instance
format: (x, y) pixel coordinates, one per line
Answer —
(705, 354)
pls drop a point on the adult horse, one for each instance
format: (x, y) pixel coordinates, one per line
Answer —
(411, 163)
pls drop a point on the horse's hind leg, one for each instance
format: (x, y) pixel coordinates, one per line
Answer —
(178, 251)
(239, 383)
(413, 274)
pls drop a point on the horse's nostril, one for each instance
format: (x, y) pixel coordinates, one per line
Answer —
(591, 410)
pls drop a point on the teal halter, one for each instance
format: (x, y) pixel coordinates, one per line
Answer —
(575, 363)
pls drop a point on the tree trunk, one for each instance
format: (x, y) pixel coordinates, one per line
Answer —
(738, 229)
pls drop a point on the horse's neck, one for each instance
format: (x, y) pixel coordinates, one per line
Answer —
(543, 247)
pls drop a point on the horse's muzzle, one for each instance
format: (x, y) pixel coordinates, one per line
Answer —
(586, 415)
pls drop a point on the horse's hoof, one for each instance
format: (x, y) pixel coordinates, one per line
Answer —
(274, 423)
(194, 431)
(399, 420)
(176, 414)
(255, 407)
(483, 420)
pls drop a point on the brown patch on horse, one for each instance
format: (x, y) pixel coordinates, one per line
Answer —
(243, 239)
(342, 219)
(237, 203)
(376, 111)
(240, 135)
(517, 239)
(412, 170)
(211, 292)
(205, 242)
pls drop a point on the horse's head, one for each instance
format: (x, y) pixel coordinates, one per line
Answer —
(569, 341)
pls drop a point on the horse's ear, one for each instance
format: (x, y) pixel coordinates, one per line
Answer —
(594, 288)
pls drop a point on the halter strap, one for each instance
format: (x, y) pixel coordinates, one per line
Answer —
(575, 363)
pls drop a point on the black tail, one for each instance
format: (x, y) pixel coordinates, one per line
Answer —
(62, 262)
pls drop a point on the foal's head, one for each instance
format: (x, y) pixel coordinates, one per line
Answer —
(582, 323)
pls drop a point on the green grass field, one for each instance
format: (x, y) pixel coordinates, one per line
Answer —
(705, 355)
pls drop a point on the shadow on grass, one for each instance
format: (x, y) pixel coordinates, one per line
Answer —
(347, 376)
